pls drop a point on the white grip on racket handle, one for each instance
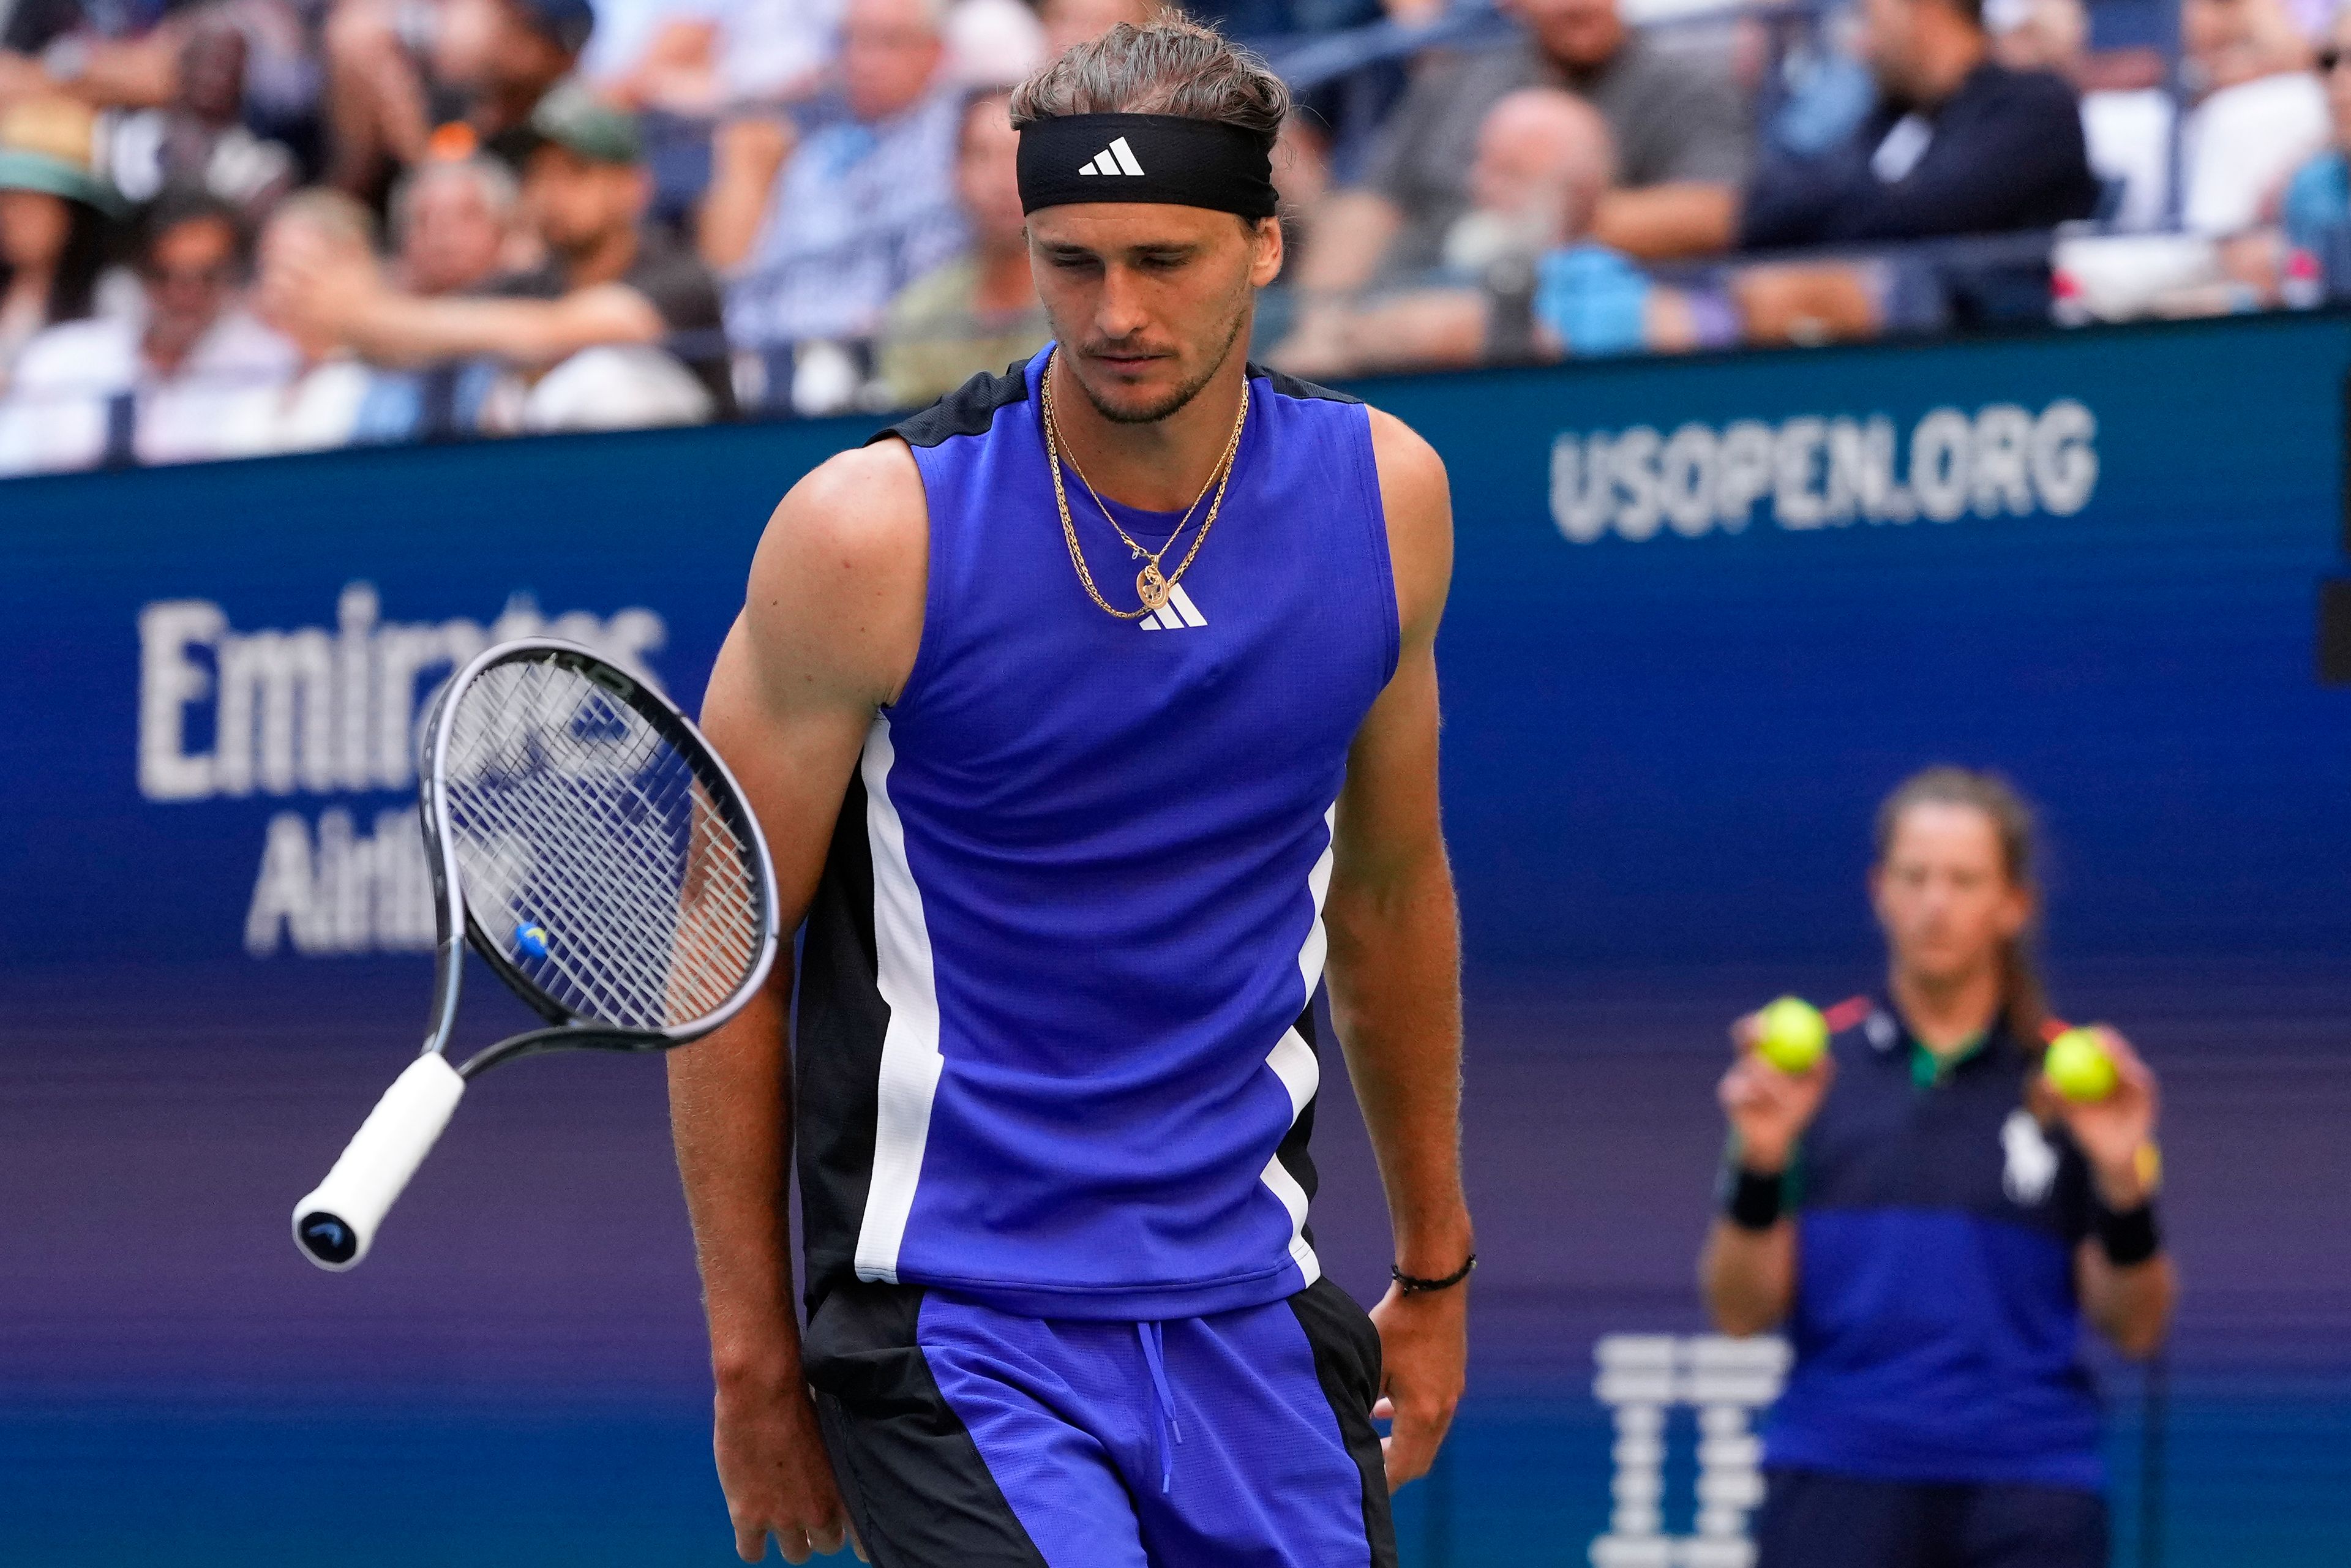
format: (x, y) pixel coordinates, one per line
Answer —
(335, 1222)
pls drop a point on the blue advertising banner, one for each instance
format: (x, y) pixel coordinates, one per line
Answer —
(1706, 614)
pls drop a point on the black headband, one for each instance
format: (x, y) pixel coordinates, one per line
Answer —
(1146, 157)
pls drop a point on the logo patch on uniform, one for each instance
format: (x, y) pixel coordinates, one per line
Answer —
(2032, 1162)
(1880, 1030)
(1179, 614)
(1117, 158)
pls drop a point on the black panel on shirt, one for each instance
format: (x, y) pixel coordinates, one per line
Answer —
(969, 410)
(837, 1034)
(1967, 1144)
(1290, 386)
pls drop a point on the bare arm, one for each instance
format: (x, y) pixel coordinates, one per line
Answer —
(1658, 222)
(401, 329)
(2131, 1305)
(827, 635)
(1395, 967)
(1749, 1277)
(746, 157)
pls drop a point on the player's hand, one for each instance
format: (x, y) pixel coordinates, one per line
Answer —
(1767, 1106)
(777, 1480)
(2112, 1132)
(1423, 1359)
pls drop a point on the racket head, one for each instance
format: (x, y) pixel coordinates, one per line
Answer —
(595, 850)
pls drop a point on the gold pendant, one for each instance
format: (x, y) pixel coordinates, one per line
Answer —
(1151, 586)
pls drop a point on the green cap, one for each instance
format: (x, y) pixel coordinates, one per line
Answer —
(575, 119)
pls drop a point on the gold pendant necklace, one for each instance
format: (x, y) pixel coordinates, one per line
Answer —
(1152, 584)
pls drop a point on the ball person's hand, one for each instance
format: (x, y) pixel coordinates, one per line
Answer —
(777, 1480)
(1768, 1107)
(1424, 1359)
(2111, 1132)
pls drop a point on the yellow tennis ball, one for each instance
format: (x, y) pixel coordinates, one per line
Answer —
(1791, 1034)
(2078, 1067)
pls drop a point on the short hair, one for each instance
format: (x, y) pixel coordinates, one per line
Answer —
(181, 204)
(492, 178)
(330, 212)
(1170, 66)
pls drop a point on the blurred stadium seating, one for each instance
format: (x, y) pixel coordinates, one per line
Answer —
(791, 208)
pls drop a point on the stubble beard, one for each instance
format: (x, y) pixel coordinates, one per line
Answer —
(1180, 397)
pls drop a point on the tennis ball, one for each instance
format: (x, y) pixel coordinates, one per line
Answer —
(1791, 1034)
(2078, 1067)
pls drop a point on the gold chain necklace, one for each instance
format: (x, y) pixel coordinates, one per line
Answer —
(1152, 585)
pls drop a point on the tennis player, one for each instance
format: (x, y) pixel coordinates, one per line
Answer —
(1092, 715)
(1933, 1225)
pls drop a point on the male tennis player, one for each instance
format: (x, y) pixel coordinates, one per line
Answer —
(1092, 715)
(1934, 1223)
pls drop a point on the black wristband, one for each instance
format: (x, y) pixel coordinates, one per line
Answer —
(1754, 1201)
(2131, 1237)
(1414, 1285)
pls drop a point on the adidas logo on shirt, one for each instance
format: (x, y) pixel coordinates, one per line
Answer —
(1179, 614)
(1117, 158)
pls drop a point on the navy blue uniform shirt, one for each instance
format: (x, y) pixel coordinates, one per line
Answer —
(1936, 1328)
(2002, 153)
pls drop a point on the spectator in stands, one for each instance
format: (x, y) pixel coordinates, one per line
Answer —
(865, 205)
(114, 391)
(2262, 113)
(198, 138)
(453, 224)
(703, 57)
(1526, 281)
(487, 65)
(2127, 111)
(1069, 23)
(2316, 211)
(610, 282)
(978, 313)
(327, 398)
(1675, 117)
(1958, 144)
(53, 214)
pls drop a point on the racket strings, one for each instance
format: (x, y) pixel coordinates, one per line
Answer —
(578, 829)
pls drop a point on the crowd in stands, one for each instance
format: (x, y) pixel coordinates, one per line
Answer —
(241, 227)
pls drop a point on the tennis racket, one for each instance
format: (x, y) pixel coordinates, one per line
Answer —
(591, 846)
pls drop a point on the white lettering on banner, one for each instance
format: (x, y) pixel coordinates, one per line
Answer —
(314, 710)
(340, 891)
(320, 711)
(1822, 472)
(1642, 1378)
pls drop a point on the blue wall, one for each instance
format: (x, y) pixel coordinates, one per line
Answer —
(1693, 640)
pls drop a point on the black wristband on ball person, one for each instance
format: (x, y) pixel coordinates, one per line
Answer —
(2130, 1238)
(1754, 1201)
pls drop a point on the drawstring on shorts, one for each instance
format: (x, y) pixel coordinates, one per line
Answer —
(1163, 1403)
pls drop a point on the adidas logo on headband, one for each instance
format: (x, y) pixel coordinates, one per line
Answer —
(1117, 158)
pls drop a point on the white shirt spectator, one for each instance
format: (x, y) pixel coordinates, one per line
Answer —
(2239, 146)
(56, 417)
(769, 47)
(315, 410)
(2129, 137)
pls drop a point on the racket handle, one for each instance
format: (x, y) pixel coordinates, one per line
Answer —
(337, 1220)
